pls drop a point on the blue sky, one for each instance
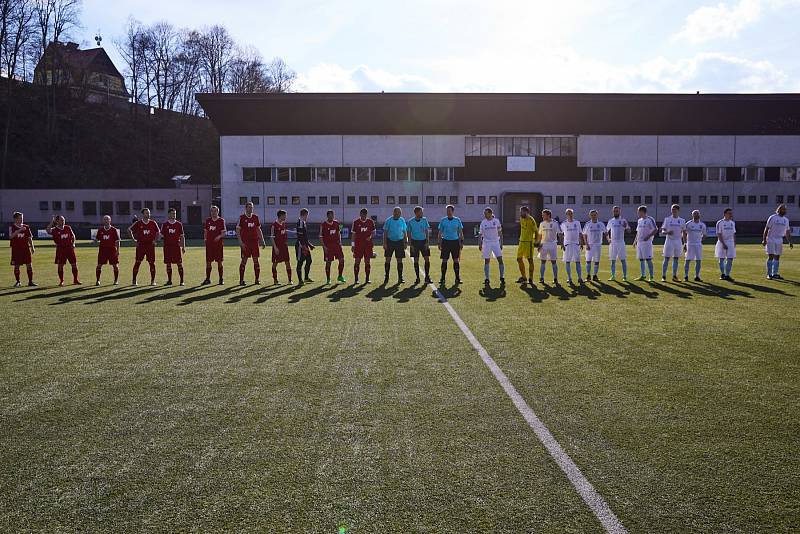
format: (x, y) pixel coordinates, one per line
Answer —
(495, 46)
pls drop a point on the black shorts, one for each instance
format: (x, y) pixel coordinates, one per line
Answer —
(451, 248)
(420, 246)
(396, 248)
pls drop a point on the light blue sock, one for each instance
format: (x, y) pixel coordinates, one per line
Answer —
(486, 270)
(502, 268)
(613, 268)
(555, 270)
(664, 266)
(650, 267)
(588, 268)
(775, 264)
(674, 266)
(769, 267)
(541, 270)
(722, 266)
(641, 266)
(578, 268)
(728, 266)
(697, 268)
(686, 269)
(568, 266)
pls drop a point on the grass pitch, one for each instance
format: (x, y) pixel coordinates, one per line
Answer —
(309, 409)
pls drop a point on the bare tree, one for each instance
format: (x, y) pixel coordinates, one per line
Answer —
(56, 19)
(130, 48)
(247, 73)
(189, 72)
(216, 51)
(281, 76)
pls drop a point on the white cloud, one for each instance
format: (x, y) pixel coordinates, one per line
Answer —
(330, 77)
(725, 21)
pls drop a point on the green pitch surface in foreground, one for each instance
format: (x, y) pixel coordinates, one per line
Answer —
(285, 409)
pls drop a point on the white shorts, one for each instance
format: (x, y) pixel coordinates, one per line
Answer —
(673, 248)
(593, 253)
(549, 251)
(571, 253)
(617, 250)
(488, 249)
(774, 247)
(694, 251)
(720, 252)
(644, 250)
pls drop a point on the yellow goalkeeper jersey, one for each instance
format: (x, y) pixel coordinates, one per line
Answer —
(528, 229)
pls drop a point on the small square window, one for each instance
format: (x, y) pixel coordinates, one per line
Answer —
(413, 199)
(374, 200)
(70, 205)
(559, 199)
(390, 200)
(675, 199)
(587, 199)
(123, 207)
(481, 200)
(270, 201)
(283, 201)
(323, 201)
(402, 199)
(778, 199)
(570, 199)
(335, 200)
(470, 199)
(726, 199)
(137, 205)
(454, 200)
(351, 200)
(295, 201)
(764, 199)
(44, 205)
(610, 199)
(637, 199)
(751, 199)
(789, 200)
(663, 200)
(741, 199)
(441, 200)
(626, 199)
(701, 199)
(255, 200)
(149, 204)
(713, 199)
(248, 174)
(362, 200)
(159, 205)
(492, 199)
(598, 199)
(547, 199)
(311, 201)
(687, 199)
(429, 199)
(56, 205)
(648, 200)
(89, 207)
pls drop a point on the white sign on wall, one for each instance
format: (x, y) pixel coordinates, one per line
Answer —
(520, 163)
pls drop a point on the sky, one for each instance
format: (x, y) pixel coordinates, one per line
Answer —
(662, 46)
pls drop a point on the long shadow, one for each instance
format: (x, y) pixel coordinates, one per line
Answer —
(89, 294)
(297, 296)
(408, 293)
(48, 295)
(449, 292)
(345, 292)
(672, 290)
(789, 282)
(713, 290)
(762, 289)
(274, 294)
(534, 293)
(208, 296)
(20, 291)
(492, 294)
(171, 294)
(585, 290)
(119, 295)
(557, 291)
(639, 290)
(258, 290)
(382, 291)
(608, 289)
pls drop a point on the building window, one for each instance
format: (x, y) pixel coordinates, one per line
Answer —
(89, 207)
(741, 199)
(402, 199)
(149, 204)
(442, 174)
(521, 146)
(454, 200)
(587, 199)
(270, 201)
(488, 146)
(701, 199)
(311, 201)
(470, 199)
(56, 205)
(362, 200)
(472, 146)
(295, 201)
(726, 199)
(284, 174)
(687, 199)
(752, 174)
(44, 205)
(552, 146)
(714, 174)
(374, 199)
(598, 199)
(648, 200)
(751, 199)
(159, 205)
(413, 199)
(763, 200)
(492, 199)
(610, 200)
(70, 205)
(255, 200)
(547, 200)
(351, 200)
(335, 200)
(361, 174)
(323, 174)
(323, 201)
(429, 199)
(637, 174)
(778, 199)
(713, 199)
(283, 201)
(248, 174)
(402, 174)
(569, 146)
(789, 174)
(441, 200)
(390, 200)
(123, 207)
(137, 205)
(663, 200)
(505, 146)
(571, 200)
(626, 199)
(675, 199)
(789, 199)
(637, 199)
(597, 174)
(560, 199)
(675, 174)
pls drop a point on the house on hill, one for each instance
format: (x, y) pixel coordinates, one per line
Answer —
(89, 74)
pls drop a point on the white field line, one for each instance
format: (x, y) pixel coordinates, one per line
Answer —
(584, 488)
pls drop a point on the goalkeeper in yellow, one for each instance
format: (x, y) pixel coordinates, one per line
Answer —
(528, 230)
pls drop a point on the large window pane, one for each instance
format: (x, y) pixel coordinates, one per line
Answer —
(323, 174)
(569, 146)
(473, 146)
(283, 175)
(539, 145)
(521, 146)
(505, 146)
(488, 146)
(249, 174)
(361, 174)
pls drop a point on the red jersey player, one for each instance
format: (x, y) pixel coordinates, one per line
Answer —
(108, 238)
(363, 230)
(332, 246)
(214, 235)
(280, 246)
(64, 238)
(21, 240)
(250, 235)
(145, 233)
(174, 244)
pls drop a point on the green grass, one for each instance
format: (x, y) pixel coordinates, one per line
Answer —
(305, 409)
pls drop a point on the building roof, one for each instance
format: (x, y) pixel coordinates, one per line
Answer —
(502, 113)
(92, 59)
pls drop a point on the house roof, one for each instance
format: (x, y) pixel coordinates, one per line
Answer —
(502, 113)
(92, 59)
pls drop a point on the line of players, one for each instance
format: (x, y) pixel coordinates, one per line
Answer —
(681, 237)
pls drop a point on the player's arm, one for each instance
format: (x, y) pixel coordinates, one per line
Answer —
(500, 233)
(480, 240)
(385, 245)
(322, 240)
(50, 225)
(766, 230)
(30, 243)
(130, 232)
(789, 236)
(461, 237)
(158, 231)
(72, 232)
(261, 237)
(117, 242)
(239, 234)
(664, 230)
(183, 241)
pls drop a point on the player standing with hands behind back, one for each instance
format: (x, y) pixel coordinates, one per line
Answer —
(250, 235)
(64, 238)
(145, 232)
(174, 244)
(214, 233)
(776, 229)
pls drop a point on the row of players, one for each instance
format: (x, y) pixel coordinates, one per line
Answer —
(681, 237)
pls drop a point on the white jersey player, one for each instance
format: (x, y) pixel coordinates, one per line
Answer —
(549, 231)
(695, 232)
(616, 229)
(725, 250)
(775, 231)
(593, 232)
(674, 231)
(646, 229)
(571, 245)
(490, 243)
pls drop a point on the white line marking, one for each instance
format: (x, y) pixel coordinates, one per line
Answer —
(581, 484)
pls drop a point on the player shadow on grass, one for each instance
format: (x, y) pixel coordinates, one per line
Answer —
(345, 292)
(492, 294)
(639, 290)
(70, 291)
(254, 291)
(298, 296)
(273, 294)
(170, 295)
(585, 290)
(208, 296)
(89, 294)
(119, 295)
(712, 290)
(535, 293)
(448, 292)
(672, 290)
(382, 291)
(609, 289)
(763, 289)
(18, 291)
(409, 293)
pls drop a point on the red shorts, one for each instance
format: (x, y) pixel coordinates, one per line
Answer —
(215, 251)
(20, 256)
(250, 250)
(146, 250)
(172, 254)
(334, 252)
(280, 253)
(108, 256)
(362, 249)
(65, 255)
